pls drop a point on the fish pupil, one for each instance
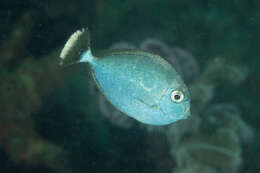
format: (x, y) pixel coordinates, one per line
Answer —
(177, 97)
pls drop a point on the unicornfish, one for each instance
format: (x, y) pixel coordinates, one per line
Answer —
(140, 84)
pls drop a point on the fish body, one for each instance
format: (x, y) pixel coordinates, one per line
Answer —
(142, 85)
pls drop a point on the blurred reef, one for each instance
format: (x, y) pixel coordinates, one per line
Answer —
(55, 120)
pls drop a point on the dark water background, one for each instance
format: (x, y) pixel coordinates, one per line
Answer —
(54, 120)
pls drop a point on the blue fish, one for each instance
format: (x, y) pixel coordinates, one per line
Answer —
(142, 85)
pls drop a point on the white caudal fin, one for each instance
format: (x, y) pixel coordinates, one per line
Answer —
(77, 48)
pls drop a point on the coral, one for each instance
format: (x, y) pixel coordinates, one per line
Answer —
(215, 145)
(221, 151)
(228, 116)
(220, 71)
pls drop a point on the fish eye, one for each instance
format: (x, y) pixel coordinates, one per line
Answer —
(177, 96)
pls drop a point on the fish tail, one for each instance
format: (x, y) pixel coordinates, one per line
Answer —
(77, 49)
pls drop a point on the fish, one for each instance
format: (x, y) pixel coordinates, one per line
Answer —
(140, 84)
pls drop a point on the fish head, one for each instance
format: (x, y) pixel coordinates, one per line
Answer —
(175, 104)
